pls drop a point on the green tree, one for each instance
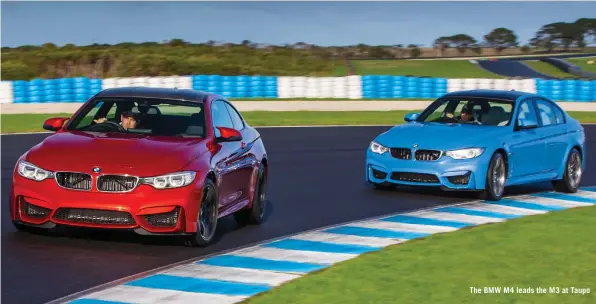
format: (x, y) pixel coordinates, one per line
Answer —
(559, 34)
(501, 38)
(415, 52)
(588, 26)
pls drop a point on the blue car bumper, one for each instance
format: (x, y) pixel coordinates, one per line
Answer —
(448, 173)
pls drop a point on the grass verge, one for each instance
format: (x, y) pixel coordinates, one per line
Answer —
(551, 250)
(548, 69)
(15, 123)
(430, 68)
(583, 63)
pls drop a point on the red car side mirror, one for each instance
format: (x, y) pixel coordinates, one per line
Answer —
(228, 134)
(54, 124)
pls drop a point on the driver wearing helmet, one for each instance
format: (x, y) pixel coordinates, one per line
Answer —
(128, 120)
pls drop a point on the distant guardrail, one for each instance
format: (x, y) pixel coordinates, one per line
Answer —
(80, 89)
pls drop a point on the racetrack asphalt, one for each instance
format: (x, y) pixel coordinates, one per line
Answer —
(316, 180)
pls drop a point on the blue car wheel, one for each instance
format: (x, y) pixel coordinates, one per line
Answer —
(572, 175)
(496, 177)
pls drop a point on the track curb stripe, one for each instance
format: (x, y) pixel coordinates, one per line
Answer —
(262, 264)
(228, 278)
(380, 233)
(463, 210)
(177, 283)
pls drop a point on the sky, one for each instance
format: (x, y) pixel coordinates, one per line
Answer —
(321, 23)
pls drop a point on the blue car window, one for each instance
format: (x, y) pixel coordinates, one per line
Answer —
(527, 112)
(547, 113)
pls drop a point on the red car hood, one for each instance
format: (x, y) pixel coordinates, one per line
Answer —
(115, 153)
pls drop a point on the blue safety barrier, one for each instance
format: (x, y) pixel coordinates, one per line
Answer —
(387, 86)
(237, 86)
(80, 89)
(567, 90)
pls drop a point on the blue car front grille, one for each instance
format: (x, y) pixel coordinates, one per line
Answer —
(401, 153)
(415, 177)
(428, 155)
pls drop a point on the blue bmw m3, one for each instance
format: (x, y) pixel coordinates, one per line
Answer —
(481, 140)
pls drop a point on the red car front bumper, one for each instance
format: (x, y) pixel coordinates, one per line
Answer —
(145, 210)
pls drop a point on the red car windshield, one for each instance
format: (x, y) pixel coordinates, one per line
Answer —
(480, 111)
(141, 116)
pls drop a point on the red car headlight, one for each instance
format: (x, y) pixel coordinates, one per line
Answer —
(168, 181)
(33, 172)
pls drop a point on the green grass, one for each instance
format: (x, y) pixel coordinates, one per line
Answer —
(430, 68)
(14, 123)
(552, 250)
(548, 69)
(583, 63)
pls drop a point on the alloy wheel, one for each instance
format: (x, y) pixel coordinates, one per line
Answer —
(207, 215)
(498, 177)
(574, 170)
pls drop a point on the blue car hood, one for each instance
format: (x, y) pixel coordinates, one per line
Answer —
(441, 136)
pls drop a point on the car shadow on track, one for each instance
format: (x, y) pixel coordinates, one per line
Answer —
(226, 226)
(427, 192)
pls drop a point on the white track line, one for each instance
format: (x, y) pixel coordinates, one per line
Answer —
(402, 227)
(294, 255)
(462, 218)
(548, 201)
(231, 274)
(141, 295)
(502, 209)
(320, 236)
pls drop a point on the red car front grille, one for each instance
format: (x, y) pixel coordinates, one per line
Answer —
(94, 216)
(33, 211)
(116, 183)
(74, 180)
(169, 219)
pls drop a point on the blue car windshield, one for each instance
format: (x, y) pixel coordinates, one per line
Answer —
(479, 111)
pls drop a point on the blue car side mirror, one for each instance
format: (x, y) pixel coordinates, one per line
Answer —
(411, 117)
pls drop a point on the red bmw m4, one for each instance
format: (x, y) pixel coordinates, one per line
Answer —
(155, 161)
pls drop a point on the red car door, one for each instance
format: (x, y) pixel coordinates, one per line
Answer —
(244, 161)
(225, 158)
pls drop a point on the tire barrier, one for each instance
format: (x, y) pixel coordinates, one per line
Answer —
(80, 89)
(349, 87)
(236, 86)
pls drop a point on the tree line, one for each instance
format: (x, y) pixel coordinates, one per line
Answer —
(563, 35)
(179, 57)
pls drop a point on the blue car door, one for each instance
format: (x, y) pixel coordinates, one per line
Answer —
(553, 131)
(527, 149)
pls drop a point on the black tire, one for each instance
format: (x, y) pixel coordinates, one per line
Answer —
(256, 213)
(569, 184)
(209, 210)
(495, 187)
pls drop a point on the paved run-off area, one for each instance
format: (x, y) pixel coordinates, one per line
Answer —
(235, 276)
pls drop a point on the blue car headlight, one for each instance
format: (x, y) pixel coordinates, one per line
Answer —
(465, 153)
(168, 181)
(375, 147)
(33, 172)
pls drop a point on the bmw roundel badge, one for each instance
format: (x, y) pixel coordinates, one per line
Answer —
(96, 169)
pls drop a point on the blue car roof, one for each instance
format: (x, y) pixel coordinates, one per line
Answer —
(498, 94)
